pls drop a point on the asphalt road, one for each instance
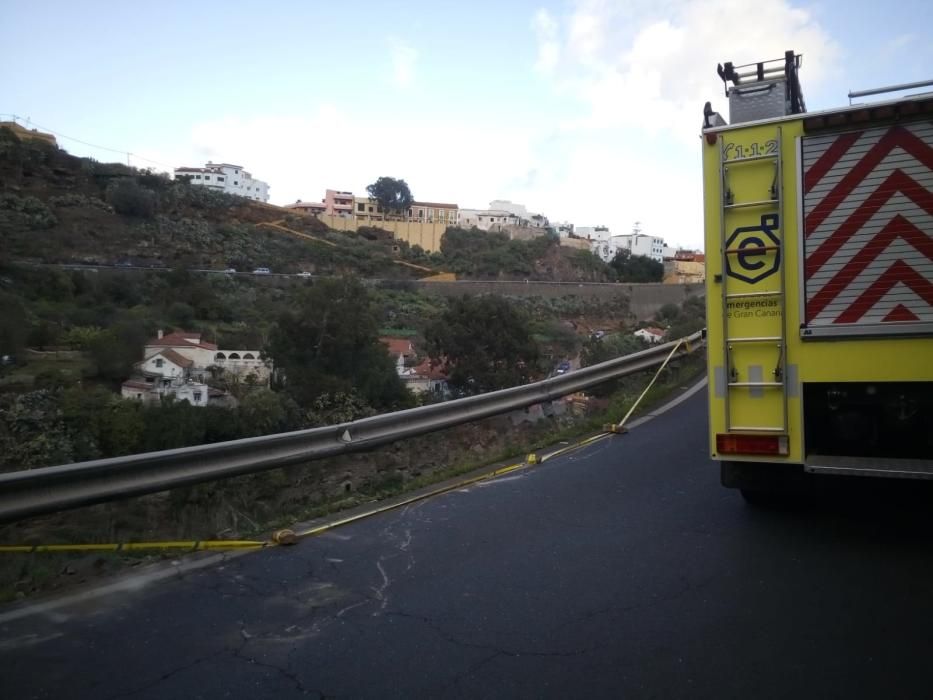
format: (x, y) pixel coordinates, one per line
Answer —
(622, 570)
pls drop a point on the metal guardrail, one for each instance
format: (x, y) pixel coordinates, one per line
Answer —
(33, 492)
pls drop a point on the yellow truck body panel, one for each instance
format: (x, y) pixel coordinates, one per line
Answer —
(808, 281)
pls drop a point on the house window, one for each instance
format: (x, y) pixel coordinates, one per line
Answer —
(207, 177)
(220, 179)
(236, 172)
(197, 396)
(159, 363)
(197, 177)
(362, 207)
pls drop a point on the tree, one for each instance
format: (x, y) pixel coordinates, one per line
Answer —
(130, 198)
(392, 194)
(485, 343)
(609, 347)
(14, 326)
(115, 350)
(262, 413)
(636, 268)
(329, 343)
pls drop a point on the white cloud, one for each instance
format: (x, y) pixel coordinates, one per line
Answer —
(301, 156)
(545, 27)
(660, 77)
(641, 72)
(403, 57)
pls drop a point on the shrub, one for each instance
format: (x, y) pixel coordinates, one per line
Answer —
(130, 198)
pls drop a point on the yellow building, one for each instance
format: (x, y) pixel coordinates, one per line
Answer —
(434, 213)
(367, 209)
(684, 271)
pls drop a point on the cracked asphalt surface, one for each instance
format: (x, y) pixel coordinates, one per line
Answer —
(620, 570)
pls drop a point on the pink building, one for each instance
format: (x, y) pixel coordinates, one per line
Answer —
(335, 203)
(338, 203)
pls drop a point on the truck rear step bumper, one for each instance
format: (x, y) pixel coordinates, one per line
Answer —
(870, 466)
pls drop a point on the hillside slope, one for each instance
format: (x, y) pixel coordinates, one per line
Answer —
(58, 208)
(55, 207)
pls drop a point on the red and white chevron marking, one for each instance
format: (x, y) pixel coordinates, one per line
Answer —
(868, 226)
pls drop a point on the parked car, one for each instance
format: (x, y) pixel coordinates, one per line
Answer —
(304, 274)
(230, 270)
(563, 367)
(262, 271)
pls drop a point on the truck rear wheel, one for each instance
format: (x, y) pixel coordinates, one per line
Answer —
(764, 484)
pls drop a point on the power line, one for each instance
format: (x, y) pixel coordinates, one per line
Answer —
(16, 118)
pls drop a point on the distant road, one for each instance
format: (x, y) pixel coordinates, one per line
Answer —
(511, 284)
(620, 571)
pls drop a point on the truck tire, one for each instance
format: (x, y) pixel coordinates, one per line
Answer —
(763, 484)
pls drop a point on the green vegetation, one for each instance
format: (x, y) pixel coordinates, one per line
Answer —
(61, 425)
(636, 268)
(485, 344)
(493, 255)
(682, 320)
(328, 344)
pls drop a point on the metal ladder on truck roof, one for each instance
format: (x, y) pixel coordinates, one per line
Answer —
(733, 253)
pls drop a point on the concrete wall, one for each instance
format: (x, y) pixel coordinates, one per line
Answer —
(644, 299)
(428, 236)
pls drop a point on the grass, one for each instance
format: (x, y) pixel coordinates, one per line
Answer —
(25, 374)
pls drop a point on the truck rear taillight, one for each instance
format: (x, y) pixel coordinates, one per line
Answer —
(749, 444)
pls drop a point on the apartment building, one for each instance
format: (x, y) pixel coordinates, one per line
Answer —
(434, 213)
(226, 177)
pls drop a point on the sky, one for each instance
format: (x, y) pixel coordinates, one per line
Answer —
(585, 111)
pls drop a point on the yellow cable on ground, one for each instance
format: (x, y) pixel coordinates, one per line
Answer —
(615, 428)
(193, 545)
(618, 426)
(311, 532)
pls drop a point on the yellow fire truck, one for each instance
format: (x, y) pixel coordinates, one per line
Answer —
(819, 250)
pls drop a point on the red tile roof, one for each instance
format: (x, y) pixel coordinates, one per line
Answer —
(398, 346)
(425, 369)
(181, 339)
(179, 360)
(131, 384)
(654, 331)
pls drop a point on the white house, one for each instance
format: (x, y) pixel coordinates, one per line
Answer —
(564, 228)
(166, 363)
(593, 233)
(525, 217)
(226, 177)
(487, 219)
(650, 334)
(151, 388)
(401, 350)
(204, 356)
(426, 379)
(641, 244)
